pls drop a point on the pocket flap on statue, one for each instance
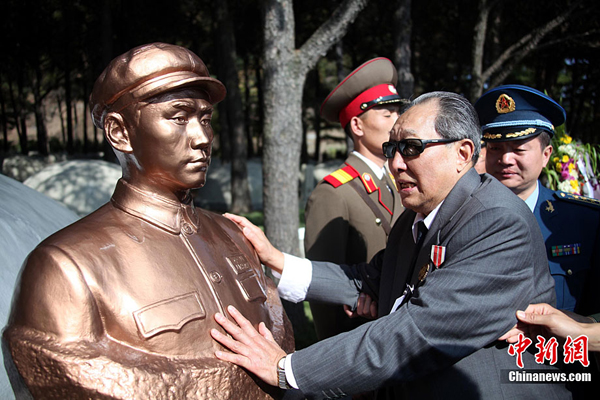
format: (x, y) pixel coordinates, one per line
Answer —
(169, 315)
(251, 288)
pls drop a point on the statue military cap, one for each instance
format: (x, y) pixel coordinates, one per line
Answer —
(371, 84)
(513, 112)
(146, 71)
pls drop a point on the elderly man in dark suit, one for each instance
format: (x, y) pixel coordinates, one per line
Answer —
(459, 262)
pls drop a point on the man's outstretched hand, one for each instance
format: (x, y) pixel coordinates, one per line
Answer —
(256, 351)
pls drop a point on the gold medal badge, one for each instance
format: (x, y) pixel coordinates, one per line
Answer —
(423, 273)
(505, 104)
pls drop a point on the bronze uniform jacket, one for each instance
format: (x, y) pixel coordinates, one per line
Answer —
(341, 228)
(121, 304)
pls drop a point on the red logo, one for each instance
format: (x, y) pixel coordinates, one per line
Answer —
(518, 348)
(546, 350)
(576, 350)
(573, 350)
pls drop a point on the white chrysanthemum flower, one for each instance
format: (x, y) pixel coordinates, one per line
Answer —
(565, 186)
(567, 149)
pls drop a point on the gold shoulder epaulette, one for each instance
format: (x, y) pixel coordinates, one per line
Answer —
(575, 198)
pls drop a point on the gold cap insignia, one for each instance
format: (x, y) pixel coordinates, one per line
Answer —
(505, 104)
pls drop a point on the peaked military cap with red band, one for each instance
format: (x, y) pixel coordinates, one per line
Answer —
(514, 112)
(371, 84)
(146, 71)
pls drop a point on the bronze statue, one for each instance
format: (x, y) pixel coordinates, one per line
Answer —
(120, 304)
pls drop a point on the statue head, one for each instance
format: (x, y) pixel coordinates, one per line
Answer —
(155, 105)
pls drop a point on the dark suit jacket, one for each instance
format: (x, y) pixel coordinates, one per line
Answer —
(442, 342)
(341, 228)
(565, 222)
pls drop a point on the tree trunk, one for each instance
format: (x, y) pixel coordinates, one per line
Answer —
(40, 123)
(285, 70)
(248, 107)
(107, 55)
(260, 137)
(402, 53)
(61, 116)
(511, 56)
(4, 116)
(224, 137)
(67, 71)
(285, 73)
(18, 114)
(86, 141)
(317, 117)
(240, 188)
(341, 74)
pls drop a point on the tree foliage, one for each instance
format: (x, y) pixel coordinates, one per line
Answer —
(54, 49)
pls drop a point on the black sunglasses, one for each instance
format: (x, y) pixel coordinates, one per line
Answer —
(410, 147)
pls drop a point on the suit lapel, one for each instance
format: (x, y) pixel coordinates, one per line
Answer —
(456, 199)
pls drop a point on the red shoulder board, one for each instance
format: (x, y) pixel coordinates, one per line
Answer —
(341, 176)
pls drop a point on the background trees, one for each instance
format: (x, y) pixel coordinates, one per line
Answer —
(279, 59)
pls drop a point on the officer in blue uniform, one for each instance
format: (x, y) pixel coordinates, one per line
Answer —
(518, 123)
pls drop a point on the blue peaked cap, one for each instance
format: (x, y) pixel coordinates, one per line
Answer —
(514, 112)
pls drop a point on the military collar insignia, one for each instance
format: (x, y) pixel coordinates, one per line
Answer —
(505, 104)
(369, 183)
(550, 207)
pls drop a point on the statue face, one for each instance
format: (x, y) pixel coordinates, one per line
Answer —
(171, 137)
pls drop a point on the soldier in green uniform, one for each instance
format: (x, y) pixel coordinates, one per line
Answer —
(350, 212)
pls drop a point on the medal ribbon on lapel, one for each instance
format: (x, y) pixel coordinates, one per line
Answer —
(438, 255)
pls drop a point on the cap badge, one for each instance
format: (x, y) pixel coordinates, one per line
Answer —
(392, 89)
(505, 104)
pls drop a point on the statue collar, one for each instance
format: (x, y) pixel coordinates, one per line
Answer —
(167, 214)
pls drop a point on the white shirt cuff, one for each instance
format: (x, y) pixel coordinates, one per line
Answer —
(295, 279)
(289, 374)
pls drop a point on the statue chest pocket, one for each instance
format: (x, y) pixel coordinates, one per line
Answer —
(168, 315)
